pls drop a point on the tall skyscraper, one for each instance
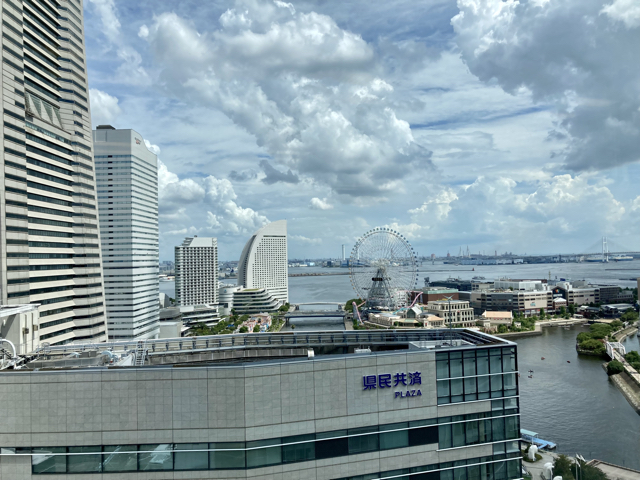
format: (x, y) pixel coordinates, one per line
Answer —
(197, 271)
(49, 241)
(127, 181)
(264, 262)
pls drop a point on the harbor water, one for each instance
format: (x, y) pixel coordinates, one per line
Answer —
(570, 400)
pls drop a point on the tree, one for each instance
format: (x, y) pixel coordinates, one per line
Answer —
(348, 307)
(562, 468)
(542, 314)
(614, 367)
(600, 330)
(563, 311)
(632, 356)
(243, 329)
(284, 308)
(629, 316)
(588, 472)
(593, 346)
(572, 309)
(502, 329)
(256, 329)
(616, 325)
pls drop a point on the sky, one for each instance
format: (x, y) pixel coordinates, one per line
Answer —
(500, 125)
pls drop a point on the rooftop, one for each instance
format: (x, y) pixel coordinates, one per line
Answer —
(256, 347)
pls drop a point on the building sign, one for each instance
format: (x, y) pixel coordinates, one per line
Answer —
(137, 141)
(395, 382)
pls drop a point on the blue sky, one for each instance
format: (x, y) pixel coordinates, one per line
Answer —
(502, 125)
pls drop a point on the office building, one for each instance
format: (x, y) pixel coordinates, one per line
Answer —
(431, 294)
(458, 312)
(263, 262)
(524, 302)
(127, 183)
(577, 292)
(509, 284)
(49, 239)
(197, 271)
(412, 404)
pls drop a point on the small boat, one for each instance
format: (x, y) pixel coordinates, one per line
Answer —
(541, 358)
(530, 376)
(568, 361)
(532, 437)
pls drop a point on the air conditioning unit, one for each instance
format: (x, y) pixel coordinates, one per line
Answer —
(35, 328)
(25, 330)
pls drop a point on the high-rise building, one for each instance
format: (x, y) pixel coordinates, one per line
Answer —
(127, 182)
(49, 240)
(197, 271)
(263, 262)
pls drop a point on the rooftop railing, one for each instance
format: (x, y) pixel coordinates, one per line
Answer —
(439, 338)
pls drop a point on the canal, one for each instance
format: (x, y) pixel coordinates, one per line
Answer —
(574, 404)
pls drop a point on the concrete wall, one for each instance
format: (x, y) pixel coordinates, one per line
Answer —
(233, 403)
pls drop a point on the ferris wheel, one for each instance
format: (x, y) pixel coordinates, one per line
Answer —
(383, 267)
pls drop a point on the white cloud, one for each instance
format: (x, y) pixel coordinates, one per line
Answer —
(110, 24)
(131, 71)
(143, 32)
(320, 204)
(627, 11)
(104, 107)
(174, 194)
(438, 206)
(305, 240)
(567, 54)
(501, 211)
(152, 148)
(309, 91)
(225, 215)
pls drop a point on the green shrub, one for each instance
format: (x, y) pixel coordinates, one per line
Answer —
(614, 367)
(629, 316)
(616, 325)
(632, 356)
(600, 330)
(593, 346)
(582, 336)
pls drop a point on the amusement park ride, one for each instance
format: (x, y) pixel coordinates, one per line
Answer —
(383, 268)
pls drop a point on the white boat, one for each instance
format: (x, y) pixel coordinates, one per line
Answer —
(621, 258)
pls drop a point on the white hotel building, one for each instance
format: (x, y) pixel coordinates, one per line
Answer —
(127, 181)
(49, 240)
(197, 271)
(263, 262)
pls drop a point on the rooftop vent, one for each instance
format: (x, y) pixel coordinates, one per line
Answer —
(105, 127)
